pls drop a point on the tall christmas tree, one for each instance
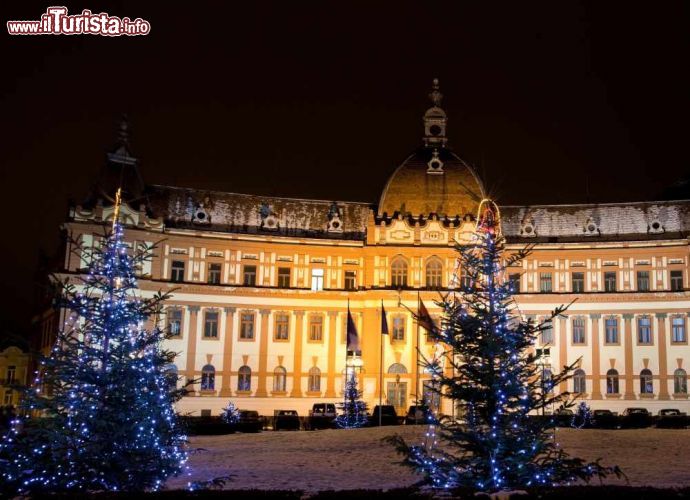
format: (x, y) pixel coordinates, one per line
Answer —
(493, 378)
(102, 417)
(353, 410)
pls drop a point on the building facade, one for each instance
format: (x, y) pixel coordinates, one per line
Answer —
(262, 284)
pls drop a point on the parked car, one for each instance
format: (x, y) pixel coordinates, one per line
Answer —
(249, 421)
(636, 418)
(286, 419)
(415, 415)
(388, 415)
(322, 416)
(671, 418)
(604, 419)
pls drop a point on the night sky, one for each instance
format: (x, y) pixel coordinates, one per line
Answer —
(552, 102)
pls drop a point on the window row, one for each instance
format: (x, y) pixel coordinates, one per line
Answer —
(244, 379)
(680, 381)
(249, 276)
(612, 331)
(610, 279)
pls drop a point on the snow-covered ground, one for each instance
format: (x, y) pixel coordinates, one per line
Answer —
(350, 459)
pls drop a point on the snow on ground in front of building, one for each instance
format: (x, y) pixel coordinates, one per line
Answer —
(353, 459)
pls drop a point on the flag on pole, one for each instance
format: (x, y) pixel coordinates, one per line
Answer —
(384, 321)
(424, 318)
(352, 335)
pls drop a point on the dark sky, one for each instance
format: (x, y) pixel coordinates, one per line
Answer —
(324, 99)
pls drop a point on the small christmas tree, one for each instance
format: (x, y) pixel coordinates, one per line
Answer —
(230, 415)
(492, 377)
(582, 417)
(353, 409)
(102, 417)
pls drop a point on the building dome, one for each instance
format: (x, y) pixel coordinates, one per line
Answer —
(433, 179)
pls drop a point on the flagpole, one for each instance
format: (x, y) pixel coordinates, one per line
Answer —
(381, 369)
(416, 382)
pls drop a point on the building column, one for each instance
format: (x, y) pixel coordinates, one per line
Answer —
(596, 357)
(297, 361)
(332, 343)
(261, 391)
(191, 341)
(628, 346)
(228, 342)
(563, 347)
(663, 363)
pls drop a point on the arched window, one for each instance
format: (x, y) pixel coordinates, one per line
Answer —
(612, 381)
(314, 379)
(208, 378)
(397, 368)
(399, 272)
(244, 378)
(279, 376)
(579, 382)
(646, 382)
(680, 382)
(434, 273)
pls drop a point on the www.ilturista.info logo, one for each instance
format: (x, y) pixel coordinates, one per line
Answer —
(56, 22)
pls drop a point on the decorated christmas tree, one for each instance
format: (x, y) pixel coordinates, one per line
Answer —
(353, 410)
(230, 415)
(101, 417)
(498, 438)
(582, 417)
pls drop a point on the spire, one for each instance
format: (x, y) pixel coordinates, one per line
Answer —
(435, 119)
(121, 169)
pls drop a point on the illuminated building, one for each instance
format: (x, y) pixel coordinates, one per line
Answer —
(262, 283)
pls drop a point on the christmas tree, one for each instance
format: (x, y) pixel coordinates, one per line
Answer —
(102, 418)
(230, 415)
(353, 410)
(582, 417)
(494, 381)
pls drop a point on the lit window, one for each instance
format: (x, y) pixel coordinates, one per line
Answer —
(249, 275)
(547, 381)
(175, 322)
(214, 274)
(397, 369)
(612, 381)
(611, 333)
(211, 325)
(610, 281)
(317, 279)
(678, 329)
(579, 382)
(677, 280)
(8, 397)
(398, 328)
(281, 330)
(646, 382)
(177, 273)
(680, 381)
(316, 328)
(399, 273)
(643, 281)
(644, 330)
(514, 280)
(579, 331)
(547, 333)
(545, 282)
(244, 378)
(350, 280)
(314, 379)
(284, 277)
(247, 326)
(208, 378)
(465, 279)
(578, 282)
(434, 274)
(279, 376)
